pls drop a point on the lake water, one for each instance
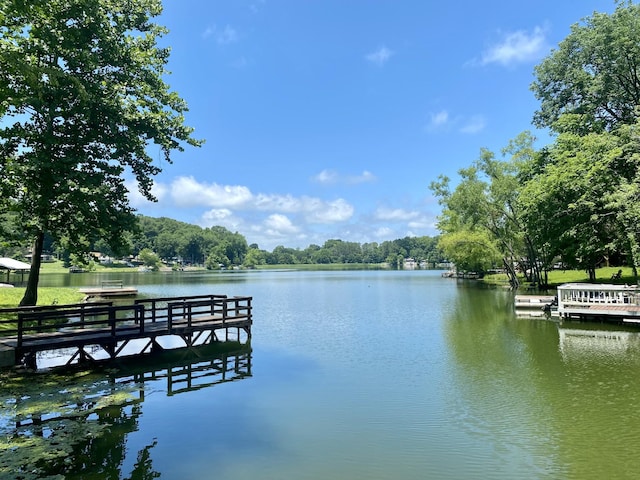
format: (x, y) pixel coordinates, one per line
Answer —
(350, 375)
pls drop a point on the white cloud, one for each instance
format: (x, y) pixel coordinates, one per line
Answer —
(315, 210)
(280, 225)
(395, 215)
(383, 232)
(422, 223)
(330, 212)
(474, 124)
(222, 217)
(330, 177)
(517, 47)
(222, 36)
(326, 177)
(442, 121)
(187, 192)
(217, 214)
(380, 56)
(364, 177)
(255, 7)
(438, 120)
(280, 203)
(136, 199)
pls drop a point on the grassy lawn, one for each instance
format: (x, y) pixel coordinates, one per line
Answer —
(558, 277)
(10, 297)
(57, 266)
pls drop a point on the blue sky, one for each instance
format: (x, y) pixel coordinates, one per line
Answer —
(329, 118)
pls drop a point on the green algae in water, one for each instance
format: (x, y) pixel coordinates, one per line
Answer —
(73, 424)
(51, 423)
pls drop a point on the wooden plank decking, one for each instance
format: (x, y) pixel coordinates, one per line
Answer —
(109, 288)
(112, 328)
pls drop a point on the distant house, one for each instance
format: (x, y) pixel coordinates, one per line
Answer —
(45, 257)
(409, 264)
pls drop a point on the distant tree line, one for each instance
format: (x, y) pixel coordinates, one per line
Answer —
(576, 202)
(180, 243)
(217, 247)
(392, 252)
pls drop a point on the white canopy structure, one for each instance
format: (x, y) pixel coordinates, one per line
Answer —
(10, 264)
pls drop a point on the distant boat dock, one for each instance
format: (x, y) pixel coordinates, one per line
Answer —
(93, 332)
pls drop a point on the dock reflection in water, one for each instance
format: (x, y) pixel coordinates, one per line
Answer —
(596, 340)
(76, 424)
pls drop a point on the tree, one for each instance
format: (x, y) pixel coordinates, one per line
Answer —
(595, 72)
(582, 204)
(82, 95)
(149, 259)
(484, 207)
(253, 257)
(470, 250)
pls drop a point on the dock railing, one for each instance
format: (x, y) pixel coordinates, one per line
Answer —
(223, 309)
(79, 322)
(112, 327)
(9, 316)
(157, 309)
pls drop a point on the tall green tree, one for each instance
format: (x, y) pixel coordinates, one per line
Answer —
(82, 96)
(582, 203)
(484, 207)
(594, 72)
(581, 199)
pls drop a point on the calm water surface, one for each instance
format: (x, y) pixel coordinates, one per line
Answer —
(350, 375)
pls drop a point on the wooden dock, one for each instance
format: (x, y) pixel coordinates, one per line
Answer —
(109, 288)
(599, 302)
(120, 330)
(534, 305)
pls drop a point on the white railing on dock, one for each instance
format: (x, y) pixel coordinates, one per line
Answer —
(582, 299)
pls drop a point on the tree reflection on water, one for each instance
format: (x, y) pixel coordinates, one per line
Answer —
(75, 423)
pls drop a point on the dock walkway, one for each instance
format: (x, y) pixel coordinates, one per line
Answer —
(87, 328)
(534, 305)
(109, 288)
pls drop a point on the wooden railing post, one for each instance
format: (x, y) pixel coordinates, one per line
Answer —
(112, 320)
(20, 325)
(139, 315)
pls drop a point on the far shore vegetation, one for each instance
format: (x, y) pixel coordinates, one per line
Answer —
(10, 297)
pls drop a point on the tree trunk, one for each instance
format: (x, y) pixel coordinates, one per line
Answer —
(30, 297)
(592, 274)
(511, 274)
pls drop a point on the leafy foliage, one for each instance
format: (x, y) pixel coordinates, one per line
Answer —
(82, 95)
(595, 73)
(577, 199)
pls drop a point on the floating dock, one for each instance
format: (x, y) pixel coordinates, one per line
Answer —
(534, 305)
(94, 332)
(109, 288)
